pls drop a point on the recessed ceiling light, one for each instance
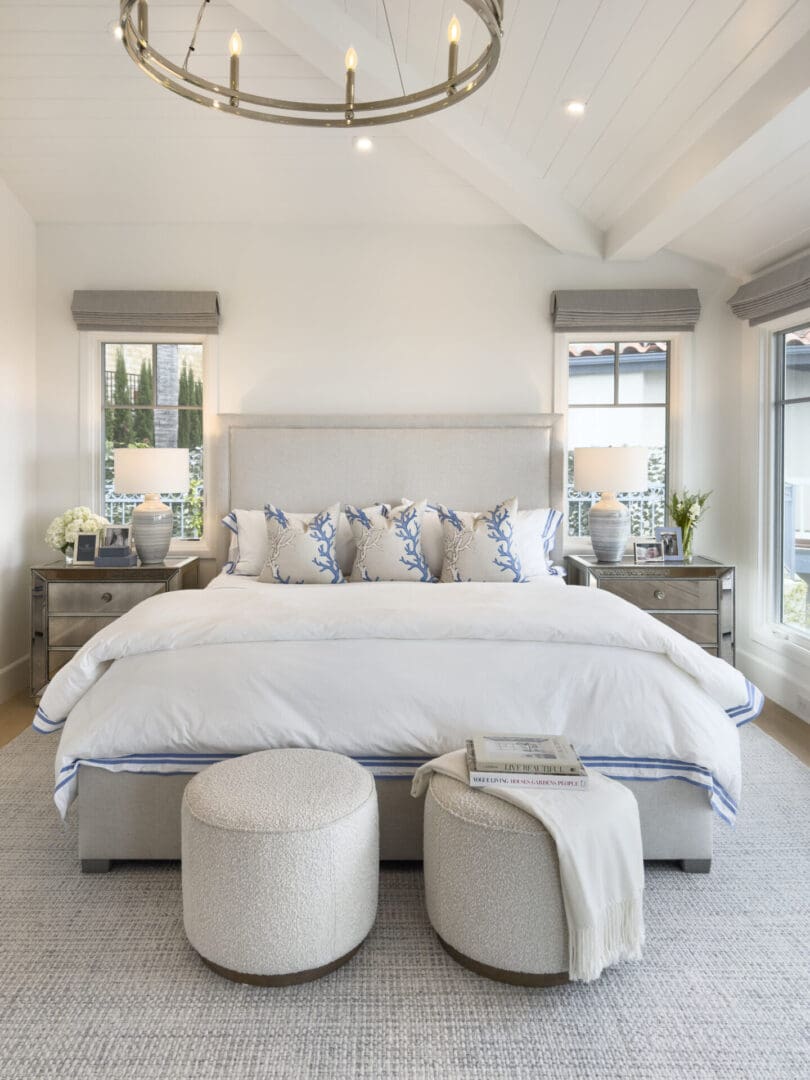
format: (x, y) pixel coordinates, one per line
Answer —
(363, 144)
(575, 108)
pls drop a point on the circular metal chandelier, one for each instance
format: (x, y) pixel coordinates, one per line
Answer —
(133, 31)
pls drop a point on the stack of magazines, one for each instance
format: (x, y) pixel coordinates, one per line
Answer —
(524, 761)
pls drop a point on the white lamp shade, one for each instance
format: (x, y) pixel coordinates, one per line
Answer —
(150, 471)
(611, 468)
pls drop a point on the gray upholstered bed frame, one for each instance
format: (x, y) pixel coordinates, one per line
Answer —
(308, 462)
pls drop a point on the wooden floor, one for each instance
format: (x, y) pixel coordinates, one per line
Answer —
(787, 729)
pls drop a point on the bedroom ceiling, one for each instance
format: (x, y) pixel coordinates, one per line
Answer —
(696, 135)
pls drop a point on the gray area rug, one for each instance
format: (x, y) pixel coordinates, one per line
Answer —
(97, 980)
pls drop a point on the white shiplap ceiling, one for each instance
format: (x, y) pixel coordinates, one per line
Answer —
(696, 135)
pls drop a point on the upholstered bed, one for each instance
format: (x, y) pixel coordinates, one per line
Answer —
(389, 673)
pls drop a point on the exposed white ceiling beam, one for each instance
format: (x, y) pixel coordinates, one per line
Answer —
(320, 32)
(765, 125)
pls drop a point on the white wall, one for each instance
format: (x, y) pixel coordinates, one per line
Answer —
(17, 435)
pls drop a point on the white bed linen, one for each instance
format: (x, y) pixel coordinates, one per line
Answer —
(400, 672)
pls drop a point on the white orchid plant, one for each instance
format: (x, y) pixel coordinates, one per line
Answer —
(62, 532)
(686, 509)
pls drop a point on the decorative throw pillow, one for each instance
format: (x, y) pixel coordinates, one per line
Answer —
(534, 535)
(247, 553)
(300, 549)
(481, 547)
(535, 539)
(389, 543)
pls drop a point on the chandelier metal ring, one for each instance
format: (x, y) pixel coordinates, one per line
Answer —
(228, 97)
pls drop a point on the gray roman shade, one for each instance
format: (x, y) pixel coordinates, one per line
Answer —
(774, 294)
(625, 310)
(147, 312)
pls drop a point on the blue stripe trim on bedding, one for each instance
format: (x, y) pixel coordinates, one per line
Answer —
(401, 767)
(755, 701)
(41, 717)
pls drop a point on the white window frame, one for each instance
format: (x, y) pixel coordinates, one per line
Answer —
(680, 354)
(768, 629)
(91, 424)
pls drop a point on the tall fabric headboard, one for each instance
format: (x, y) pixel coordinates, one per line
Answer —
(307, 462)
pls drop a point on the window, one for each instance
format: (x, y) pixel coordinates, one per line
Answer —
(153, 396)
(792, 429)
(618, 394)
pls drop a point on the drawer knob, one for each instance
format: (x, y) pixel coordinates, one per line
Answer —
(659, 594)
(106, 597)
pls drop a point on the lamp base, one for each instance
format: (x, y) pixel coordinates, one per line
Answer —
(152, 526)
(610, 529)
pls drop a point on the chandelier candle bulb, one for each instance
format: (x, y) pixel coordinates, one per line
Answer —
(351, 68)
(235, 48)
(453, 37)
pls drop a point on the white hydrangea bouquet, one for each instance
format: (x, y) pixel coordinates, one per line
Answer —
(62, 532)
(686, 509)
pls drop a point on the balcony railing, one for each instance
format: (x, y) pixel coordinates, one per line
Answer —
(118, 511)
(647, 510)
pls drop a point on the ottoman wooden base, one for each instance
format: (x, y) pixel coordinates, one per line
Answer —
(291, 979)
(516, 978)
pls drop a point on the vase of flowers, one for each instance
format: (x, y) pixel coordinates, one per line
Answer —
(686, 509)
(62, 532)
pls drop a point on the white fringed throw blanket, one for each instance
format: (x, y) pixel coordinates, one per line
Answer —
(598, 838)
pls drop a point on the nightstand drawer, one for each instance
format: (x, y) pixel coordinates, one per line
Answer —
(694, 625)
(665, 594)
(102, 597)
(57, 658)
(75, 630)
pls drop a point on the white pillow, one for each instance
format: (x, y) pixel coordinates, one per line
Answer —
(229, 521)
(248, 548)
(481, 547)
(302, 550)
(535, 539)
(389, 543)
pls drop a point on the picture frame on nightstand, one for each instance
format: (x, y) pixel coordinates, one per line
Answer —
(670, 537)
(86, 549)
(647, 551)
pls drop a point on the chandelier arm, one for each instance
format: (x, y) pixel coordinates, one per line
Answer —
(315, 114)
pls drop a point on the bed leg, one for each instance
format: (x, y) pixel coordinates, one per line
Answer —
(96, 866)
(696, 866)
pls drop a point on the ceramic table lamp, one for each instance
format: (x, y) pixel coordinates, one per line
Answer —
(609, 469)
(151, 473)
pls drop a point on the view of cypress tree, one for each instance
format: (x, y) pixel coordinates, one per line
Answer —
(195, 426)
(189, 420)
(122, 418)
(143, 428)
(183, 398)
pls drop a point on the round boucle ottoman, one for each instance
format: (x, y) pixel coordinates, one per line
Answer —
(280, 864)
(492, 886)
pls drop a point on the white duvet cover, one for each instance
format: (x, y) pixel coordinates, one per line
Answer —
(392, 674)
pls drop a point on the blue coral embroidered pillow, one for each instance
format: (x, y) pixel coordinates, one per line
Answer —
(389, 543)
(481, 547)
(301, 550)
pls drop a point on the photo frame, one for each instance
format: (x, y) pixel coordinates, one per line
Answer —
(647, 551)
(670, 537)
(117, 537)
(85, 549)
